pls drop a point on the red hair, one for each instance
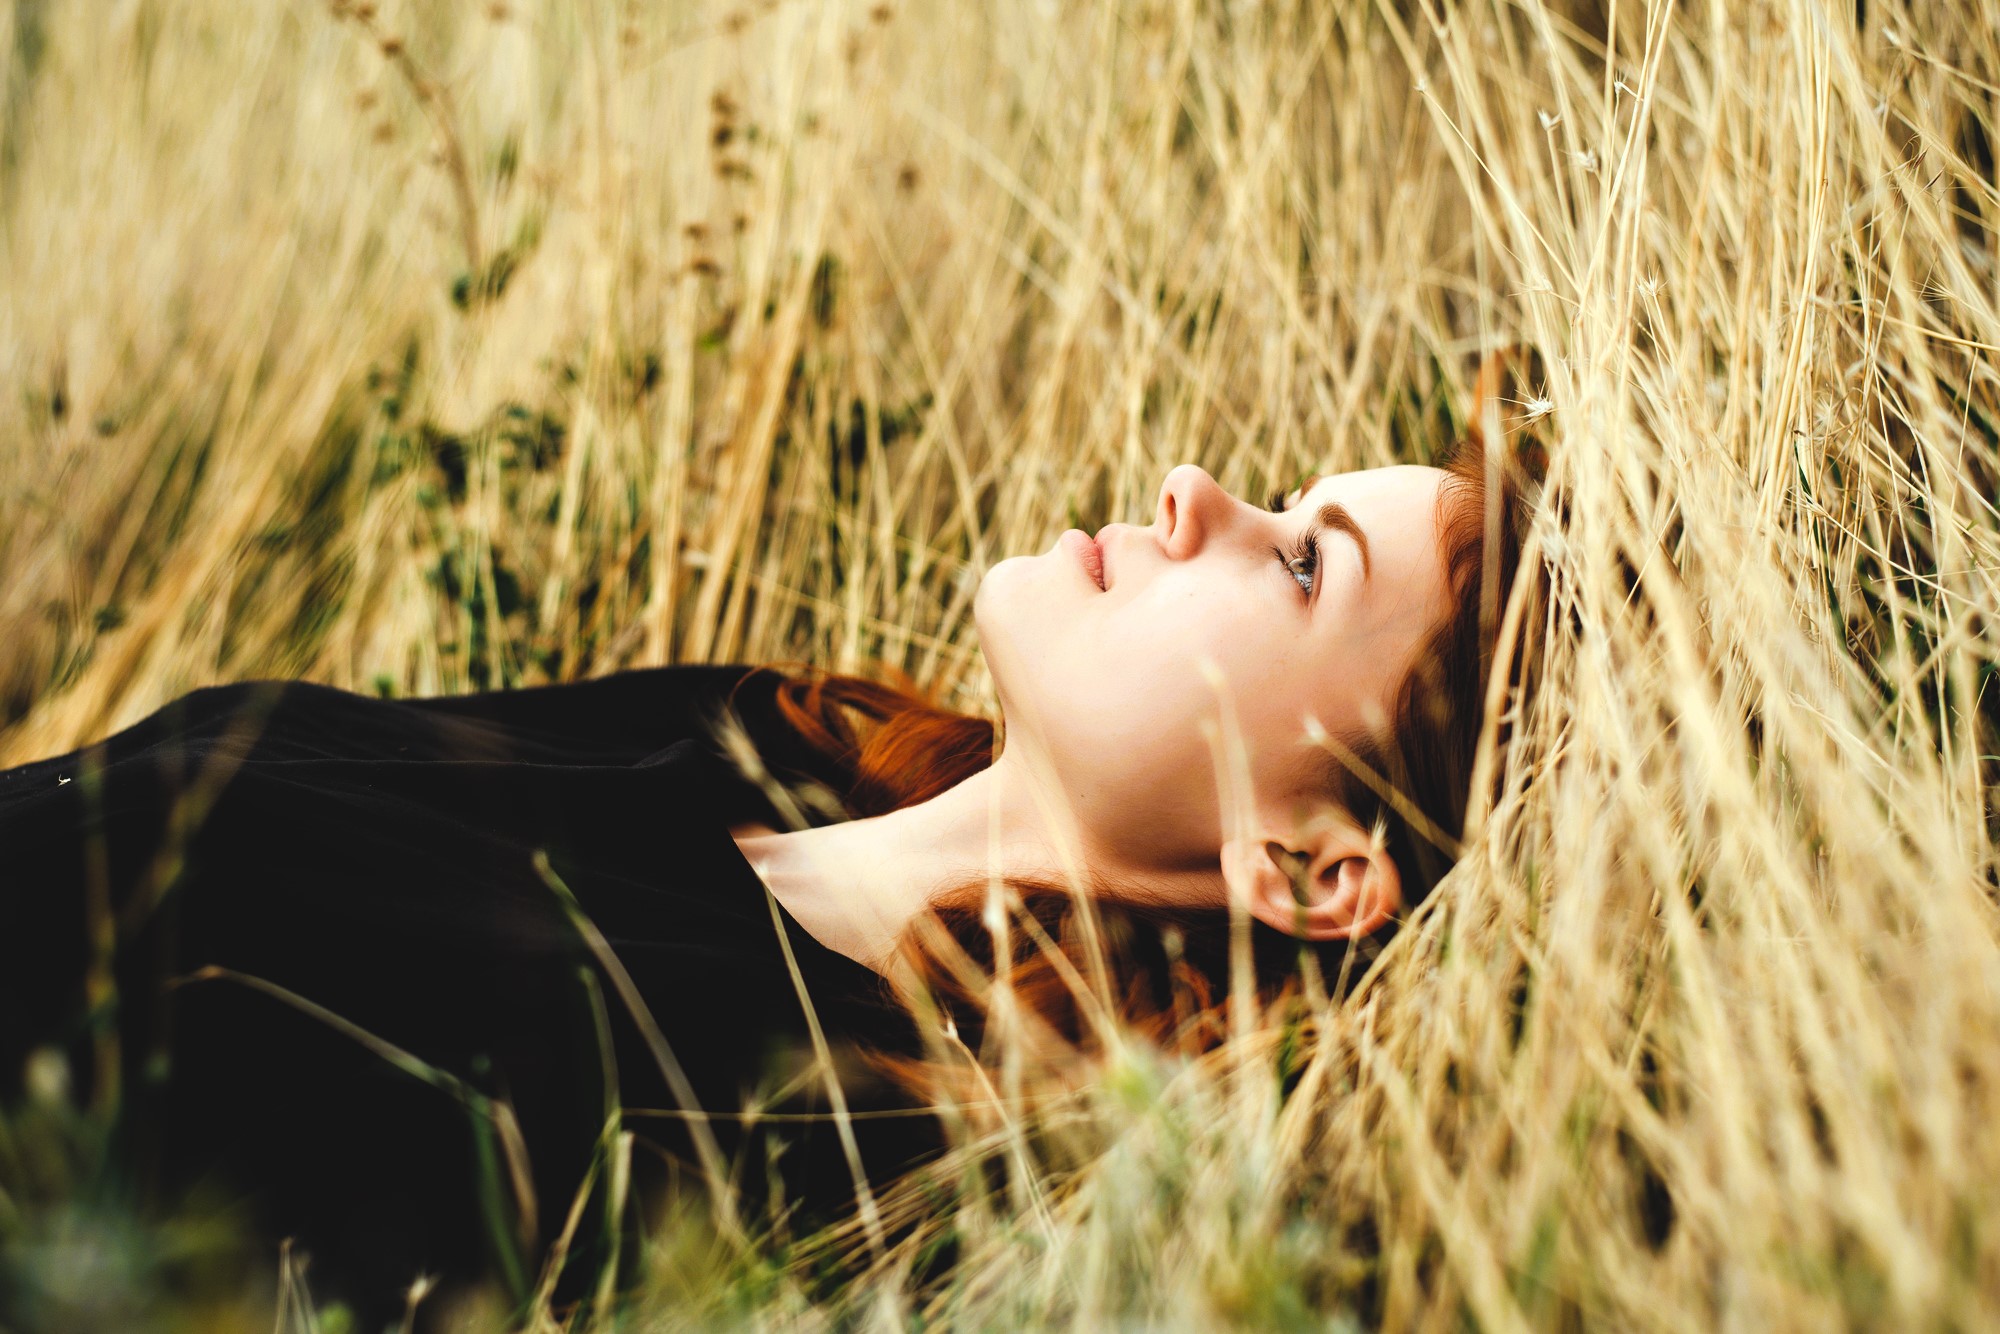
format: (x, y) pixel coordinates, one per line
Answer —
(899, 746)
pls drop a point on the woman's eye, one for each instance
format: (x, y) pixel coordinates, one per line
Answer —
(1303, 562)
(1301, 572)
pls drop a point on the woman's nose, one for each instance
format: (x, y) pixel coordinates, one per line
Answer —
(1192, 507)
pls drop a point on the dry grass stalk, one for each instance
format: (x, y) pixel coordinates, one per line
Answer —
(1704, 1032)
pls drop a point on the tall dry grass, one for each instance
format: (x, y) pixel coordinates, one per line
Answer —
(420, 348)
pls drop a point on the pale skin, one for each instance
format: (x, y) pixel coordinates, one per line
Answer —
(1118, 701)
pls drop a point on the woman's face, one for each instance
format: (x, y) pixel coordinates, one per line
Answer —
(1315, 611)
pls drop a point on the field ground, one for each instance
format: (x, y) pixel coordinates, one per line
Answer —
(418, 348)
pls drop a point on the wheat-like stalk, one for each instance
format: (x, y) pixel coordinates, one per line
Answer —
(575, 337)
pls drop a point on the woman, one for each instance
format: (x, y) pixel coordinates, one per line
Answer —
(382, 974)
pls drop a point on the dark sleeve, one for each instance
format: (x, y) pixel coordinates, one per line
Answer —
(375, 857)
(615, 719)
(104, 829)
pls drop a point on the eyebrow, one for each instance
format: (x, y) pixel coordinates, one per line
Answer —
(1335, 515)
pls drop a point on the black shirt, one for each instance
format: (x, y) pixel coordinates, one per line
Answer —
(377, 859)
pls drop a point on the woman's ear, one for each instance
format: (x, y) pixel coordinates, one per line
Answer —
(1330, 880)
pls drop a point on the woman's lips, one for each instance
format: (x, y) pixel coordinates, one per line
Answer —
(1084, 547)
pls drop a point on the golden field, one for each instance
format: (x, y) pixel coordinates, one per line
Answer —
(416, 348)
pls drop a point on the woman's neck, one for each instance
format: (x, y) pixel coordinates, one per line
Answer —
(856, 885)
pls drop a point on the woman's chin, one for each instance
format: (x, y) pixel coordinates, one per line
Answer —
(1013, 600)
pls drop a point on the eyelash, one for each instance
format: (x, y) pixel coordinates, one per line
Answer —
(1304, 553)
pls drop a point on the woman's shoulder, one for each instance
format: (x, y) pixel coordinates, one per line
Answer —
(625, 715)
(636, 715)
(618, 718)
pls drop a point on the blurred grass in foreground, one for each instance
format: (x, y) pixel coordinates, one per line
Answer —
(414, 348)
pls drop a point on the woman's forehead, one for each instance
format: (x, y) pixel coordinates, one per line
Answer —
(1397, 507)
(1406, 481)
